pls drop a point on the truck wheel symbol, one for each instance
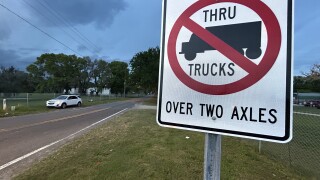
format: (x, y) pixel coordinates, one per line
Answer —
(190, 56)
(238, 36)
(253, 53)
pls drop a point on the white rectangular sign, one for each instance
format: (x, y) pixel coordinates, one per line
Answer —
(226, 67)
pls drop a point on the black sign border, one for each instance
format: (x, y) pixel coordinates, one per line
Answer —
(289, 92)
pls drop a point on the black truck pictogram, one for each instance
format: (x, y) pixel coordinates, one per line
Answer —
(238, 36)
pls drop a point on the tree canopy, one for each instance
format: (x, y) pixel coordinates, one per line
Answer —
(101, 74)
(313, 78)
(145, 69)
(119, 76)
(310, 81)
(14, 81)
(58, 72)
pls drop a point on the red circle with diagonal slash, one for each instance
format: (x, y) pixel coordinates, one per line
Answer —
(255, 72)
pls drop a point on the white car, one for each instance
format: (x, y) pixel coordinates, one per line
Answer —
(65, 100)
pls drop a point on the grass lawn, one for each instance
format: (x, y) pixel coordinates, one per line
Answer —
(133, 146)
(303, 152)
(303, 109)
(39, 105)
(151, 101)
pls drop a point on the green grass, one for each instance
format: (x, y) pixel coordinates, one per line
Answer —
(304, 109)
(303, 152)
(133, 146)
(22, 107)
(151, 101)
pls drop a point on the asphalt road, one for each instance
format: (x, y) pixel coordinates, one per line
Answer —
(22, 135)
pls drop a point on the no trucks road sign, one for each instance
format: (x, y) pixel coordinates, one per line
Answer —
(226, 67)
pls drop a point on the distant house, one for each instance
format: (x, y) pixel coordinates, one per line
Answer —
(106, 91)
(92, 91)
(72, 91)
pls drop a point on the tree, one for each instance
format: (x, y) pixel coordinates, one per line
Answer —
(56, 72)
(13, 80)
(299, 83)
(313, 78)
(35, 77)
(119, 76)
(145, 69)
(101, 74)
(84, 78)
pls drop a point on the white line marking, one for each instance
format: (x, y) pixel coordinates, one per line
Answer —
(307, 114)
(44, 147)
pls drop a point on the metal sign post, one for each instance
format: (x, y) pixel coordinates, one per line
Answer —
(212, 157)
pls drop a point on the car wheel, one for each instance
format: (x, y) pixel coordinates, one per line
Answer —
(64, 105)
(79, 104)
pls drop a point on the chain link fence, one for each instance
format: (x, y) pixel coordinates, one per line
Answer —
(25, 99)
(303, 152)
(33, 101)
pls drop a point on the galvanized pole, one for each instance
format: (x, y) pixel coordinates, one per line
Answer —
(212, 157)
(260, 145)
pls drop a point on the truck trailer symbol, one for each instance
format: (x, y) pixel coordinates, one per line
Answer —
(238, 36)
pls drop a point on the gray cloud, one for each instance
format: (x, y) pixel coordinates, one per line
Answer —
(82, 48)
(101, 13)
(30, 50)
(11, 58)
(24, 62)
(4, 33)
(8, 57)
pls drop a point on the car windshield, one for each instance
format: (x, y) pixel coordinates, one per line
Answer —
(61, 97)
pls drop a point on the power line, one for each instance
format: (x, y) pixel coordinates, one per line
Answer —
(67, 33)
(39, 29)
(57, 17)
(66, 22)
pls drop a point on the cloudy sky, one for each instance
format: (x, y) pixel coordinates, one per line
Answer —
(109, 29)
(112, 29)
